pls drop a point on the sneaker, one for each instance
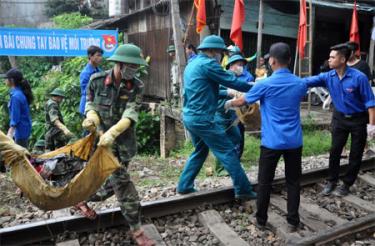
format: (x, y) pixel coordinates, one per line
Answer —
(328, 188)
(343, 190)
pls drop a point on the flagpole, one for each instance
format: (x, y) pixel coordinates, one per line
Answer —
(260, 32)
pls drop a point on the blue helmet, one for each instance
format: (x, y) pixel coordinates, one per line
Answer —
(235, 58)
(212, 42)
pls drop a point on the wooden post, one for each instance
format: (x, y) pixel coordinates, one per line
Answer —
(260, 31)
(177, 38)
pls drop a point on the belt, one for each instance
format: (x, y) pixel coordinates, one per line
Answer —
(351, 116)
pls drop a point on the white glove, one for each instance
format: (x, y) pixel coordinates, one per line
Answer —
(370, 131)
(228, 105)
(231, 92)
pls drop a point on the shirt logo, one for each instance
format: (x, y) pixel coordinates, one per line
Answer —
(350, 90)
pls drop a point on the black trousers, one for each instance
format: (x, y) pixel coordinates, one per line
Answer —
(267, 166)
(341, 128)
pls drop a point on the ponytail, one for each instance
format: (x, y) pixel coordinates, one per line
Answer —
(26, 89)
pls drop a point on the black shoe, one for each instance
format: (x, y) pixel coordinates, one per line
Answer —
(260, 226)
(343, 190)
(292, 228)
(328, 188)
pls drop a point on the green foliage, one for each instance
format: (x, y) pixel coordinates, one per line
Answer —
(71, 20)
(57, 7)
(148, 133)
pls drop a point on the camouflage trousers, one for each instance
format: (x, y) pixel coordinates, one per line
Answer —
(119, 184)
(55, 139)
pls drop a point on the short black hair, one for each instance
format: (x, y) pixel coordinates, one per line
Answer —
(93, 49)
(343, 49)
(192, 47)
(281, 52)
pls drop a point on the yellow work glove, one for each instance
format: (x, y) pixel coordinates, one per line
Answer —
(91, 122)
(63, 128)
(109, 136)
(10, 151)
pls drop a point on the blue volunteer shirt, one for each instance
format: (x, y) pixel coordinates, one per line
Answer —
(84, 79)
(191, 57)
(280, 96)
(19, 114)
(202, 77)
(352, 94)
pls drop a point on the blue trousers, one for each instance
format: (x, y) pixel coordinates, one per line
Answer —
(207, 135)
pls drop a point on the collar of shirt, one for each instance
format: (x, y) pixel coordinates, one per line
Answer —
(91, 68)
(348, 73)
(281, 70)
(14, 89)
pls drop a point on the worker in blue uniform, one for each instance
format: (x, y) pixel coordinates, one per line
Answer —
(354, 114)
(228, 119)
(202, 78)
(280, 96)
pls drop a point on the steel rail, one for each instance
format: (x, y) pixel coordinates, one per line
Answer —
(48, 229)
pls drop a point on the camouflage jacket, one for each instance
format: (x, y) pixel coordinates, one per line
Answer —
(52, 114)
(113, 102)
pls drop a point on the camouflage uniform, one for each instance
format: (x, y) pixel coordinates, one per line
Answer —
(113, 102)
(54, 137)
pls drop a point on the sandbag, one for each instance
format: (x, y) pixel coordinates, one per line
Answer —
(100, 165)
(249, 115)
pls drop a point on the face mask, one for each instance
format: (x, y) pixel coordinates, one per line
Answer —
(218, 57)
(128, 73)
(238, 70)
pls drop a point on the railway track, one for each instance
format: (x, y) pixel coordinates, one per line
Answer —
(320, 226)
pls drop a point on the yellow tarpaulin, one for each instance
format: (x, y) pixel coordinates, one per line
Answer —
(100, 165)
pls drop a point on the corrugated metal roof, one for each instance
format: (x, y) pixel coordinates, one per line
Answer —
(365, 5)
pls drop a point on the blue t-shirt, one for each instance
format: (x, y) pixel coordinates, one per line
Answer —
(352, 94)
(84, 79)
(19, 114)
(280, 96)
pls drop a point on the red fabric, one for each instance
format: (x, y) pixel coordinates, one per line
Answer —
(354, 31)
(201, 14)
(302, 30)
(237, 20)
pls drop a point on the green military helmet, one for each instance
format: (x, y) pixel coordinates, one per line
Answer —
(171, 48)
(128, 53)
(40, 143)
(234, 49)
(58, 92)
(212, 42)
(235, 58)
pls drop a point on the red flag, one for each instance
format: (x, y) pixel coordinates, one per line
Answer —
(201, 14)
(302, 29)
(237, 20)
(354, 31)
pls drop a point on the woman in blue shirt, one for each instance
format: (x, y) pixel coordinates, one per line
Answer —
(19, 107)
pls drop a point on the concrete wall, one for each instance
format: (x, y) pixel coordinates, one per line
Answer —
(28, 13)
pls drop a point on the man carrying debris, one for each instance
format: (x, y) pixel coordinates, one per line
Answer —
(57, 134)
(202, 78)
(112, 105)
(280, 96)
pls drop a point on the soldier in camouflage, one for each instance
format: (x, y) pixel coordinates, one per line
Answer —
(112, 105)
(57, 134)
